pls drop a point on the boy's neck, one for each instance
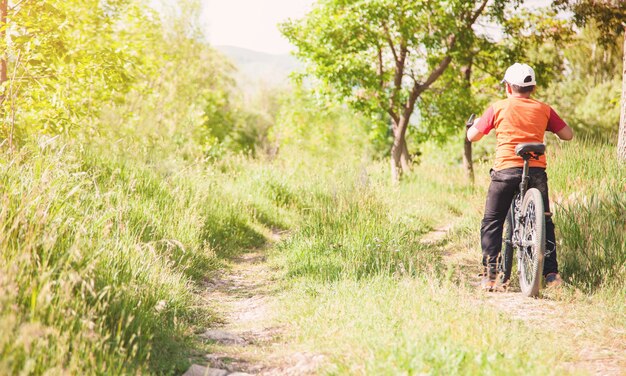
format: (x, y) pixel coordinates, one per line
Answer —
(519, 95)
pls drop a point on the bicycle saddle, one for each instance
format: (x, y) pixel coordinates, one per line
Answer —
(531, 147)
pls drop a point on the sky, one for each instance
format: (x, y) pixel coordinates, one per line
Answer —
(251, 24)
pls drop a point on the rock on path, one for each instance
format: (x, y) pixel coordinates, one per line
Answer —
(198, 370)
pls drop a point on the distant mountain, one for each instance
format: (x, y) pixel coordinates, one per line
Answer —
(259, 68)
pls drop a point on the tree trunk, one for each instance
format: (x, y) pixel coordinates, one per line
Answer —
(399, 151)
(621, 140)
(405, 158)
(467, 147)
(3, 66)
(3, 56)
(467, 160)
(396, 166)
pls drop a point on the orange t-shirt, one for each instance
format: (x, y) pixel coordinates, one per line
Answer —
(518, 120)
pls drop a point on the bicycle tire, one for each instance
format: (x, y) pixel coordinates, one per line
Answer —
(532, 250)
(505, 261)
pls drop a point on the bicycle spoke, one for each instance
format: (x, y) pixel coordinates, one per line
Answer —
(529, 244)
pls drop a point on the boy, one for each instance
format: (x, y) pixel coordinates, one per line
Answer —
(516, 119)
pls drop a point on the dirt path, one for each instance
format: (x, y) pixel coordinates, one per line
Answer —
(249, 341)
(601, 349)
(437, 235)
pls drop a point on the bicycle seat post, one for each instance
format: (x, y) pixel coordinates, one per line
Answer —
(527, 151)
(524, 183)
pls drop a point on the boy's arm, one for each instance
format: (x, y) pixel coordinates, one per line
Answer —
(559, 127)
(482, 126)
(473, 134)
(565, 134)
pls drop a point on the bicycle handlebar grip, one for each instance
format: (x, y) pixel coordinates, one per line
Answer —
(470, 121)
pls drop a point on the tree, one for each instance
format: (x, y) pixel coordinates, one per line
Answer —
(473, 78)
(621, 140)
(588, 93)
(3, 58)
(610, 18)
(64, 60)
(382, 55)
(115, 67)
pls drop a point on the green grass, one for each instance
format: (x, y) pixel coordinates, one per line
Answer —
(590, 207)
(363, 290)
(352, 234)
(415, 326)
(102, 253)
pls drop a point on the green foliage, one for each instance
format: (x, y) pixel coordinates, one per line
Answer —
(311, 123)
(591, 61)
(537, 37)
(609, 15)
(380, 56)
(67, 58)
(100, 254)
(116, 68)
(239, 125)
(587, 95)
(444, 108)
(373, 55)
(599, 110)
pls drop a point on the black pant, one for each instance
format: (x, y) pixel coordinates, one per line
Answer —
(504, 185)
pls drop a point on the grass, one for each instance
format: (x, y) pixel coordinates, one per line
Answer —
(365, 291)
(589, 187)
(101, 255)
(421, 325)
(352, 234)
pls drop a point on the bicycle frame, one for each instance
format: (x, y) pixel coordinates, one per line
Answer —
(516, 205)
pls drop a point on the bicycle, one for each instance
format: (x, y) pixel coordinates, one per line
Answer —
(524, 228)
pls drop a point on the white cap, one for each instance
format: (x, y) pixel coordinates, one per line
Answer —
(520, 74)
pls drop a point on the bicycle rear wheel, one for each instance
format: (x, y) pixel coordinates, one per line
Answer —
(533, 241)
(505, 261)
